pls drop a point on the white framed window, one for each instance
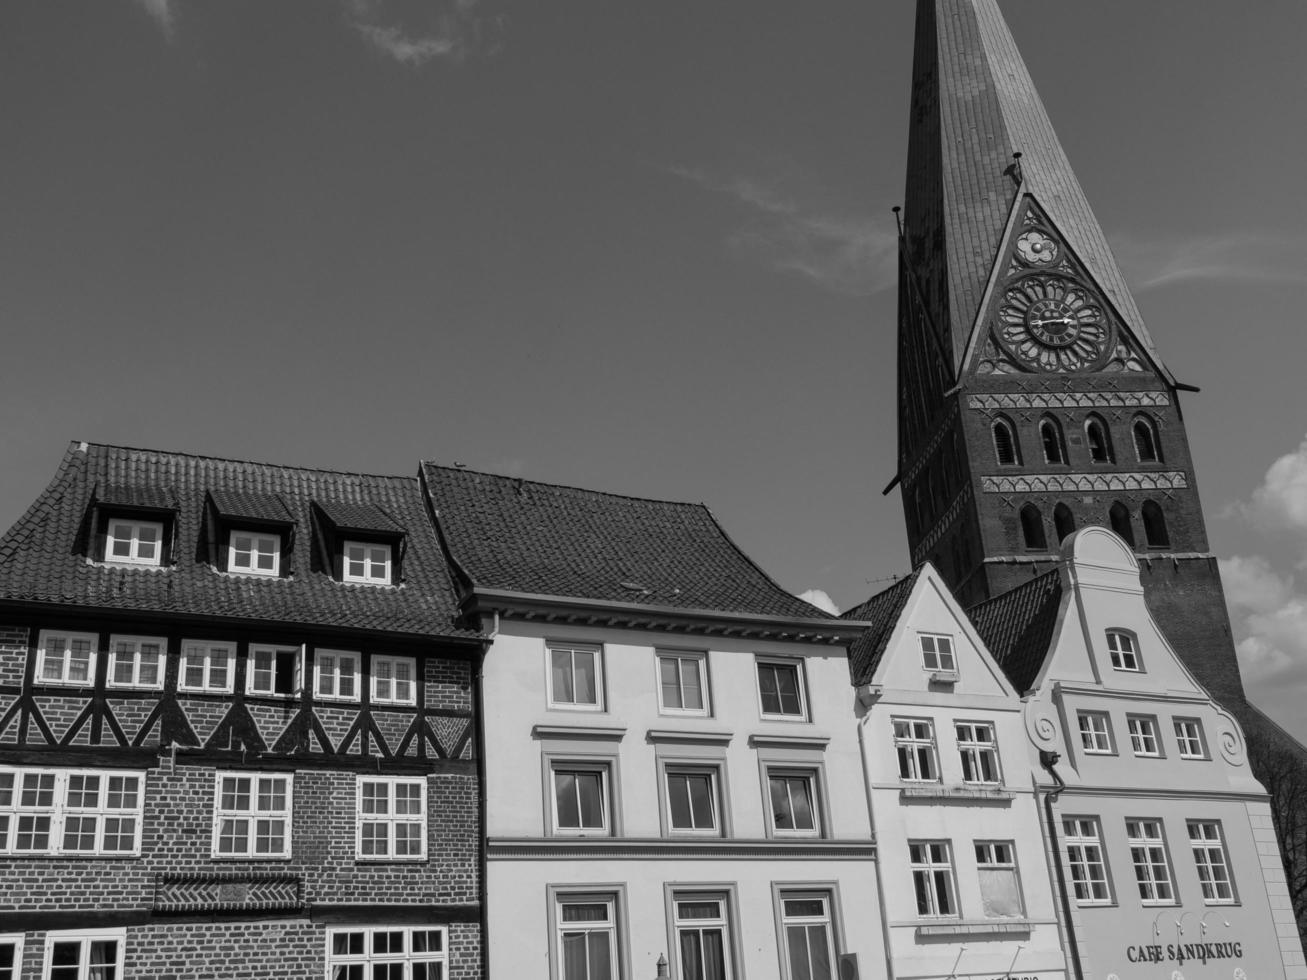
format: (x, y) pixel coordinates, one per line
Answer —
(576, 676)
(66, 658)
(11, 955)
(137, 661)
(581, 805)
(1084, 854)
(1143, 736)
(692, 800)
(1123, 651)
(367, 562)
(809, 936)
(134, 542)
(703, 936)
(1095, 733)
(1189, 737)
(587, 937)
(274, 670)
(388, 953)
(683, 683)
(251, 816)
(978, 751)
(392, 818)
(1148, 855)
(932, 878)
(70, 811)
(780, 689)
(795, 810)
(84, 954)
(914, 743)
(336, 675)
(207, 666)
(996, 871)
(254, 553)
(1212, 861)
(394, 680)
(937, 652)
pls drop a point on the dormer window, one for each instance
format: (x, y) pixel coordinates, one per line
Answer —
(937, 653)
(363, 542)
(133, 542)
(250, 533)
(367, 563)
(254, 553)
(1122, 651)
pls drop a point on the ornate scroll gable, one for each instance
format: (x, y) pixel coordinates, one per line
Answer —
(1046, 315)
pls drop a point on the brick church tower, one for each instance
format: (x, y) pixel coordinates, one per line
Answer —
(1032, 400)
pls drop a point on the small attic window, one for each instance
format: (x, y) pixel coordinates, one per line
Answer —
(251, 533)
(132, 525)
(134, 542)
(367, 562)
(254, 553)
(361, 542)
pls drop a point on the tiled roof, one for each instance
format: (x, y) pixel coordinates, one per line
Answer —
(882, 611)
(45, 557)
(353, 516)
(1017, 626)
(520, 536)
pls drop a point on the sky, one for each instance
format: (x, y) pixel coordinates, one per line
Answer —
(637, 247)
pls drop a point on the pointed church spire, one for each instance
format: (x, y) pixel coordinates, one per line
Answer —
(974, 107)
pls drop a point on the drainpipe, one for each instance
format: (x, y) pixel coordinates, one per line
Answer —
(866, 701)
(1048, 760)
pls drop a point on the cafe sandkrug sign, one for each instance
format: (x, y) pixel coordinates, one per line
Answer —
(1182, 953)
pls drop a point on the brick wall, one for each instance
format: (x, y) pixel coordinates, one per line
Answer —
(13, 655)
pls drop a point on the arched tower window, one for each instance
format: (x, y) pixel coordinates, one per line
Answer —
(1006, 450)
(1119, 515)
(1099, 439)
(1147, 447)
(1032, 528)
(1050, 434)
(1064, 522)
(1154, 525)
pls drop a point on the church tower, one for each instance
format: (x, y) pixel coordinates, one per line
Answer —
(1032, 400)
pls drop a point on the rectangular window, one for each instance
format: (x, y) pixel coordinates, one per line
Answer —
(581, 805)
(1122, 651)
(251, 816)
(996, 868)
(1095, 736)
(914, 741)
(703, 937)
(1212, 862)
(137, 661)
(575, 677)
(392, 818)
(932, 877)
(251, 553)
(587, 937)
(367, 563)
(66, 658)
(336, 675)
(1143, 735)
(1084, 854)
(393, 680)
(1189, 736)
(1148, 854)
(70, 811)
(273, 670)
(692, 806)
(207, 666)
(134, 542)
(90, 954)
(682, 683)
(809, 937)
(11, 956)
(937, 653)
(388, 953)
(780, 689)
(794, 808)
(978, 752)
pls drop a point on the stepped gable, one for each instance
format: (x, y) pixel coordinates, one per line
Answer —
(47, 556)
(1017, 626)
(518, 536)
(883, 611)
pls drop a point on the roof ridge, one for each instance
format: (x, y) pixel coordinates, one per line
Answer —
(566, 486)
(247, 462)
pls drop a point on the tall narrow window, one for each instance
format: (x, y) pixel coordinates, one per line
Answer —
(703, 937)
(1006, 449)
(1122, 651)
(1189, 736)
(914, 743)
(1143, 736)
(1095, 734)
(1050, 436)
(809, 943)
(575, 677)
(1154, 525)
(793, 797)
(1146, 444)
(780, 689)
(932, 877)
(1032, 528)
(11, 956)
(1148, 854)
(1211, 860)
(581, 798)
(996, 869)
(1119, 515)
(979, 754)
(692, 801)
(1084, 855)
(1064, 522)
(587, 937)
(681, 687)
(1099, 440)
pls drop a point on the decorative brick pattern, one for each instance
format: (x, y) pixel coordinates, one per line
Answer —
(1085, 482)
(1001, 401)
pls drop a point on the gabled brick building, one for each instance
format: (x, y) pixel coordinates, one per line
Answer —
(237, 728)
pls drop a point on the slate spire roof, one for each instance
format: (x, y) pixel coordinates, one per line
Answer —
(974, 105)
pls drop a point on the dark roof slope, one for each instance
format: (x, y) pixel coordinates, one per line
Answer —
(45, 557)
(883, 611)
(1017, 626)
(519, 536)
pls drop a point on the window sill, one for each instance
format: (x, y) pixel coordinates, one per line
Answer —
(986, 927)
(609, 732)
(973, 794)
(689, 735)
(789, 741)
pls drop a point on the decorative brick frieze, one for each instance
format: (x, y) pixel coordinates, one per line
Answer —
(1085, 482)
(241, 892)
(1001, 401)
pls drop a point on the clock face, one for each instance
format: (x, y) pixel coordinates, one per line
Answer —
(1050, 323)
(1036, 248)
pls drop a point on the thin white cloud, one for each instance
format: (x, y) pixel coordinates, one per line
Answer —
(1231, 257)
(163, 13)
(1279, 504)
(406, 50)
(412, 35)
(819, 598)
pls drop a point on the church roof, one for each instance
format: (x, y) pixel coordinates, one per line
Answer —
(973, 106)
(1017, 626)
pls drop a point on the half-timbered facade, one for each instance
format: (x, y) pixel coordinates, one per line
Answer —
(237, 728)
